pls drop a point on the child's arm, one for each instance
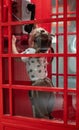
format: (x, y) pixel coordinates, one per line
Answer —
(14, 49)
(50, 50)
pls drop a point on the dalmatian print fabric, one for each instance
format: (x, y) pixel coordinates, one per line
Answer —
(36, 66)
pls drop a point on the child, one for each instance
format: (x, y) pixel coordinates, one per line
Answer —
(39, 42)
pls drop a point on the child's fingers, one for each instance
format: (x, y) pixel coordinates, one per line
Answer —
(13, 38)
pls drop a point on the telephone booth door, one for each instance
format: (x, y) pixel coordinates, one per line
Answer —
(60, 18)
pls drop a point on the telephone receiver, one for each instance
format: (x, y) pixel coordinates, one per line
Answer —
(31, 8)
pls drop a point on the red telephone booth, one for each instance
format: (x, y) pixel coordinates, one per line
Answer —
(61, 18)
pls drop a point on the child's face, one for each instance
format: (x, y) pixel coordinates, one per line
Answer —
(35, 32)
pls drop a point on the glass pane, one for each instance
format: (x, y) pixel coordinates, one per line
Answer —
(71, 107)
(6, 109)
(38, 104)
(53, 2)
(53, 27)
(71, 43)
(71, 81)
(60, 27)
(5, 39)
(21, 103)
(57, 65)
(72, 65)
(60, 65)
(58, 81)
(19, 72)
(54, 65)
(58, 110)
(57, 8)
(60, 44)
(5, 71)
(71, 26)
(71, 8)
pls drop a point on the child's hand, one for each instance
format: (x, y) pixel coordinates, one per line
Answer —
(14, 48)
(13, 39)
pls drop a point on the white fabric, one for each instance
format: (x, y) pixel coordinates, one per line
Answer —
(36, 67)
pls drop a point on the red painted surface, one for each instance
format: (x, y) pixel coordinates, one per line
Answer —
(15, 106)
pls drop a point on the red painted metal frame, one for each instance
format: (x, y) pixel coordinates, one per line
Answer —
(77, 84)
(10, 122)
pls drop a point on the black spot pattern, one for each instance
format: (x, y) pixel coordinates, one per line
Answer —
(45, 71)
(44, 66)
(30, 70)
(37, 60)
(39, 71)
(38, 66)
(44, 61)
(32, 76)
(33, 61)
(29, 63)
(28, 50)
